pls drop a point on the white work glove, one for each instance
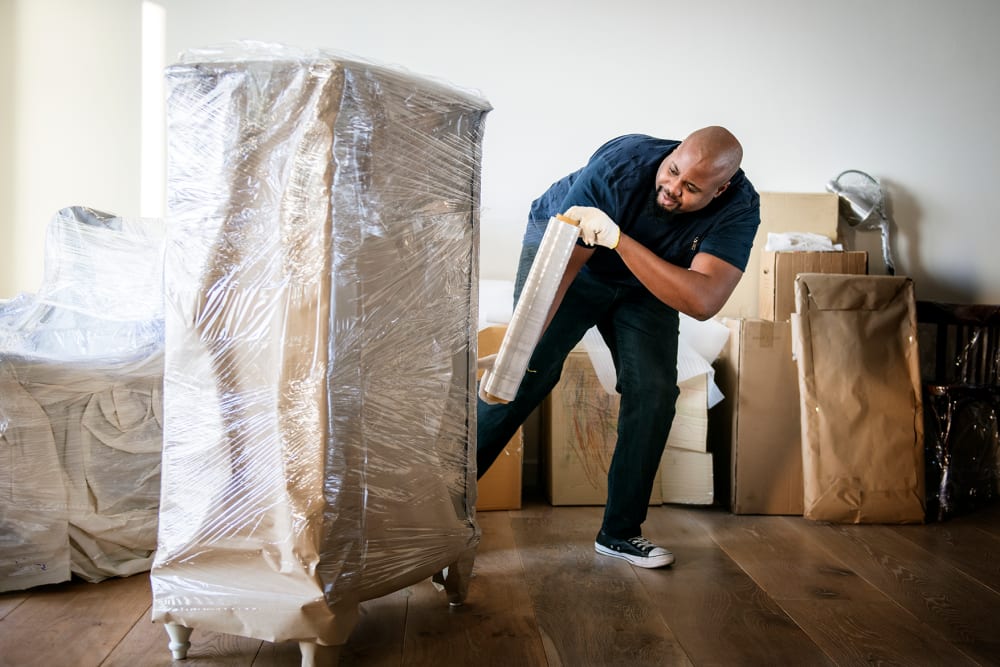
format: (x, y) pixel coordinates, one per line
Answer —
(596, 228)
(485, 364)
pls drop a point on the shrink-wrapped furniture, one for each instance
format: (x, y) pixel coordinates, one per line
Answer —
(320, 374)
(81, 372)
(960, 348)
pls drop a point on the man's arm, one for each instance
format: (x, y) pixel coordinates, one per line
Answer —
(700, 291)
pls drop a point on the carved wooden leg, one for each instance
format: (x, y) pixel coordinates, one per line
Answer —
(315, 655)
(179, 644)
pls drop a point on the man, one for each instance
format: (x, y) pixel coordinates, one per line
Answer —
(665, 227)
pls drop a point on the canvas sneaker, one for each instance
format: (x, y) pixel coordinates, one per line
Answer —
(636, 550)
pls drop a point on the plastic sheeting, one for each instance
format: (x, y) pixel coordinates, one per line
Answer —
(320, 372)
(960, 349)
(81, 371)
(501, 382)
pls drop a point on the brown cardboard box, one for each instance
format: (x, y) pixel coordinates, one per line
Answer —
(814, 212)
(855, 339)
(758, 421)
(500, 487)
(580, 424)
(778, 271)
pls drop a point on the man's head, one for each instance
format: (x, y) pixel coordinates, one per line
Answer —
(698, 170)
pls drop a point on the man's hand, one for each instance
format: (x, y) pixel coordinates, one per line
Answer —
(596, 228)
(485, 364)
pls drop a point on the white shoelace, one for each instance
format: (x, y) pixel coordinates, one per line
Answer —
(642, 543)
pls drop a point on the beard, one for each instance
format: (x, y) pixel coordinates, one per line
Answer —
(653, 210)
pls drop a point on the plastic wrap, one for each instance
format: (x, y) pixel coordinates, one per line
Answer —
(81, 372)
(963, 449)
(504, 379)
(960, 365)
(319, 388)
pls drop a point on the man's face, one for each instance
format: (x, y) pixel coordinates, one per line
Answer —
(686, 181)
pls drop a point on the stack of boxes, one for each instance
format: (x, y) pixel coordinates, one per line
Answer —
(758, 424)
(500, 487)
(580, 429)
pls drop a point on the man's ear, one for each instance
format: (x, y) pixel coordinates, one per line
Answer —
(722, 188)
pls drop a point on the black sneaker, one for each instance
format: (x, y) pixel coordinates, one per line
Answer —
(636, 550)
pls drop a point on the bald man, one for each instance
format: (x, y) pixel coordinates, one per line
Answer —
(665, 227)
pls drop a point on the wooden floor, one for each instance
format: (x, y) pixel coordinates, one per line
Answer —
(744, 591)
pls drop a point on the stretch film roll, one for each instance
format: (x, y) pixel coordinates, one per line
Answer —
(502, 382)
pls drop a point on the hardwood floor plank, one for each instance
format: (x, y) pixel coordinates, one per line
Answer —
(10, 601)
(146, 644)
(985, 518)
(495, 626)
(784, 561)
(963, 544)
(785, 557)
(377, 640)
(614, 620)
(76, 623)
(715, 609)
(936, 593)
(744, 591)
(872, 633)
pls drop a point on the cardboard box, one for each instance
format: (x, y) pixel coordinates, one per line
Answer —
(686, 476)
(757, 423)
(580, 426)
(855, 339)
(778, 271)
(500, 487)
(815, 212)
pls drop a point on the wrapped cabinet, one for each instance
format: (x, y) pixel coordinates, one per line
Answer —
(319, 388)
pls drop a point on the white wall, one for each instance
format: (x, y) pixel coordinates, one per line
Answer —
(74, 114)
(904, 89)
(7, 48)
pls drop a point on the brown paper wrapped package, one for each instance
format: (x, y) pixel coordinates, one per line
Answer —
(855, 341)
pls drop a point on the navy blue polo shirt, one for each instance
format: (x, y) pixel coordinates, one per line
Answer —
(619, 179)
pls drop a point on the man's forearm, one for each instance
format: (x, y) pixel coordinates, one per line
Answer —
(700, 291)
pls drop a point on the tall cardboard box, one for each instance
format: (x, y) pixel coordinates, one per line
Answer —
(814, 212)
(758, 421)
(500, 487)
(778, 271)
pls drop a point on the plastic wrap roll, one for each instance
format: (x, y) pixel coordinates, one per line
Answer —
(502, 382)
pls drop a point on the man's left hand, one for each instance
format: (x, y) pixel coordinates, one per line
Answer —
(596, 228)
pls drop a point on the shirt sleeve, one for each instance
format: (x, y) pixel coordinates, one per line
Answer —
(732, 240)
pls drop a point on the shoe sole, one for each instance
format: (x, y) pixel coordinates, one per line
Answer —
(657, 561)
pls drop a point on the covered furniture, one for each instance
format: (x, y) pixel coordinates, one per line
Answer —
(319, 392)
(81, 375)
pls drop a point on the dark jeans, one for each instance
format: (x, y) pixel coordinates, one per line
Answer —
(642, 334)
